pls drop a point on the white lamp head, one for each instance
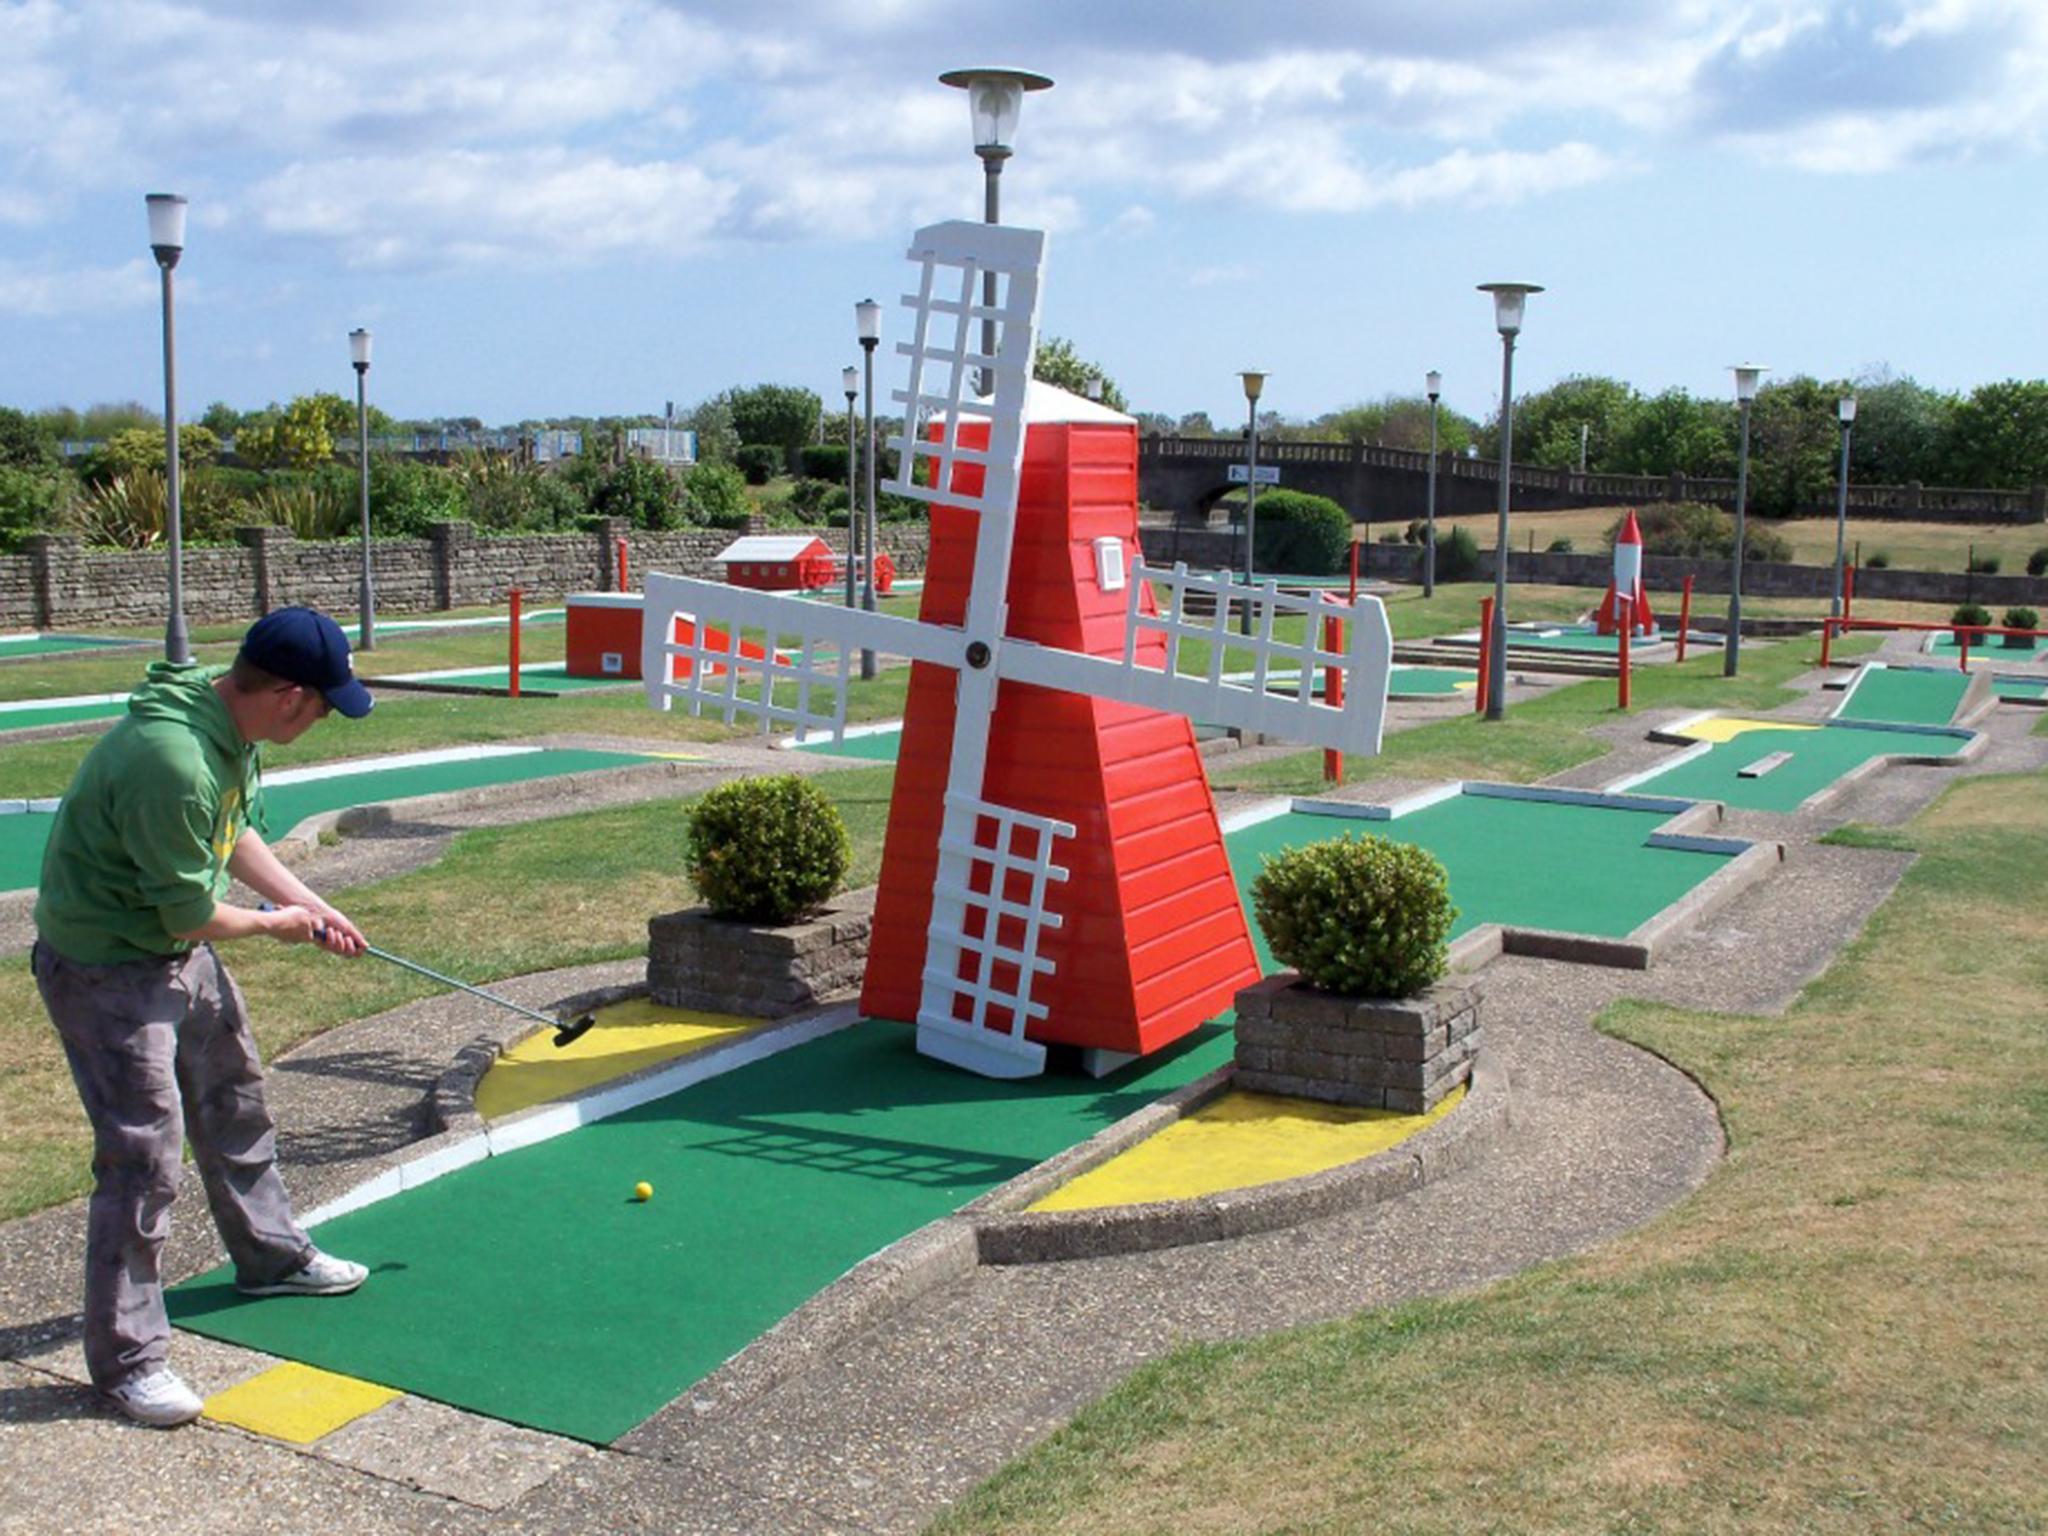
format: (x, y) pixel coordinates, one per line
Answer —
(1746, 375)
(1845, 408)
(359, 348)
(867, 320)
(1435, 383)
(849, 380)
(995, 99)
(1508, 300)
(1254, 383)
(166, 226)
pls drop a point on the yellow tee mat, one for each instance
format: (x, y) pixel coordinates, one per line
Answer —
(1239, 1140)
(1728, 727)
(627, 1037)
(296, 1402)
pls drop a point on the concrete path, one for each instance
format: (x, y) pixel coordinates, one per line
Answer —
(885, 1429)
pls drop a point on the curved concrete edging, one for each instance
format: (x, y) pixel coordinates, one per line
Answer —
(1007, 1235)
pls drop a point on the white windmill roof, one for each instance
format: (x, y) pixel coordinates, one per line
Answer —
(1048, 402)
(771, 546)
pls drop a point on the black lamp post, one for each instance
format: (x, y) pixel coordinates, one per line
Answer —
(167, 243)
(1435, 382)
(359, 355)
(1746, 375)
(867, 315)
(849, 380)
(1508, 302)
(1845, 412)
(1254, 386)
(995, 100)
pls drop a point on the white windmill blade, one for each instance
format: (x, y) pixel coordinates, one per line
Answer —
(967, 960)
(1212, 695)
(718, 623)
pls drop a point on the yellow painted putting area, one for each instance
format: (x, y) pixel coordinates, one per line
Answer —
(1238, 1141)
(1811, 759)
(1728, 727)
(628, 1037)
(296, 1402)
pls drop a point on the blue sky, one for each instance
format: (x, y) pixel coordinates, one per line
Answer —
(542, 209)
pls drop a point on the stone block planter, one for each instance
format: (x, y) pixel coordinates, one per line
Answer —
(695, 960)
(1403, 1054)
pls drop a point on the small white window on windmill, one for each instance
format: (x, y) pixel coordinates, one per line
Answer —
(1109, 564)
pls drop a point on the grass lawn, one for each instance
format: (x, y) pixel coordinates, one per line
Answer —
(1841, 1331)
(1909, 546)
(503, 902)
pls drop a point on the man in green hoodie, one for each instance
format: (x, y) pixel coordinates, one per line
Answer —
(154, 827)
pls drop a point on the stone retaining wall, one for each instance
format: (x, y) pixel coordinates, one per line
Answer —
(54, 583)
(1401, 1054)
(695, 960)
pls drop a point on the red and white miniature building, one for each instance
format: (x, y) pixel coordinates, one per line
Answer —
(606, 640)
(779, 562)
(1627, 582)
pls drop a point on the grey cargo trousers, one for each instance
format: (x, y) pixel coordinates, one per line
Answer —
(161, 1051)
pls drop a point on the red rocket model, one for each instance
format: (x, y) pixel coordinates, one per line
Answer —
(1627, 582)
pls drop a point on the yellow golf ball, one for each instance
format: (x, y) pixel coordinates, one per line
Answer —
(643, 1191)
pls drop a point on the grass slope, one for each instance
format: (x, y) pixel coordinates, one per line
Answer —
(1841, 1331)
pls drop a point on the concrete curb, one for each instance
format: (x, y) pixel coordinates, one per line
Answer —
(1010, 1236)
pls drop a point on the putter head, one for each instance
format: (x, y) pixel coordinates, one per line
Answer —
(567, 1034)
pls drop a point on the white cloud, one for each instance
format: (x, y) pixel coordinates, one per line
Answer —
(48, 290)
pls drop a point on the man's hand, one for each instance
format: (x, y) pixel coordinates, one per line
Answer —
(293, 925)
(341, 937)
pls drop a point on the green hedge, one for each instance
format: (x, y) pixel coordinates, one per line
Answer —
(1301, 535)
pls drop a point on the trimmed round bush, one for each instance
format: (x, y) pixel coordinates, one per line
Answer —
(1878, 560)
(1984, 565)
(2037, 562)
(766, 850)
(1562, 545)
(757, 461)
(1970, 614)
(1363, 916)
(1457, 555)
(2021, 618)
(1301, 535)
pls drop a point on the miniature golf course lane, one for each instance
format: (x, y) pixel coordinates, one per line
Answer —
(48, 645)
(532, 1287)
(1904, 696)
(1819, 756)
(22, 838)
(2020, 687)
(19, 716)
(1528, 863)
(876, 746)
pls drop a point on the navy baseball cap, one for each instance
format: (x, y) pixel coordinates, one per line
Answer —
(305, 647)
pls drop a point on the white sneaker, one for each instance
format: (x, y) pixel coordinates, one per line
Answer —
(157, 1398)
(323, 1275)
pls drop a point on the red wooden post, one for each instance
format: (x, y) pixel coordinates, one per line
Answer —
(622, 564)
(1848, 591)
(513, 658)
(1627, 624)
(1354, 570)
(1827, 639)
(1485, 659)
(1684, 616)
(1333, 693)
(1963, 655)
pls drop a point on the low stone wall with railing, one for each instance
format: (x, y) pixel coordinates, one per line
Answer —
(55, 583)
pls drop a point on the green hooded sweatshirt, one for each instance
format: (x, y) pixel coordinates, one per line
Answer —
(141, 843)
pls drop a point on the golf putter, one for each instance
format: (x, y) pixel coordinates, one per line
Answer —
(565, 1033)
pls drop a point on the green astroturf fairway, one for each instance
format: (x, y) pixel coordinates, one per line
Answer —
(876, 746)
(22, 838)
(46, 645)
(547, 676)
(1527, 863)
(531, 1287)
(1904, 696)
(1435, 682)
(1818, 759)
(61, 714)
(1990, 647)
(2020, 687)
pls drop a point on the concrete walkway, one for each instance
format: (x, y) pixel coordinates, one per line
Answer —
(881, 1431)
